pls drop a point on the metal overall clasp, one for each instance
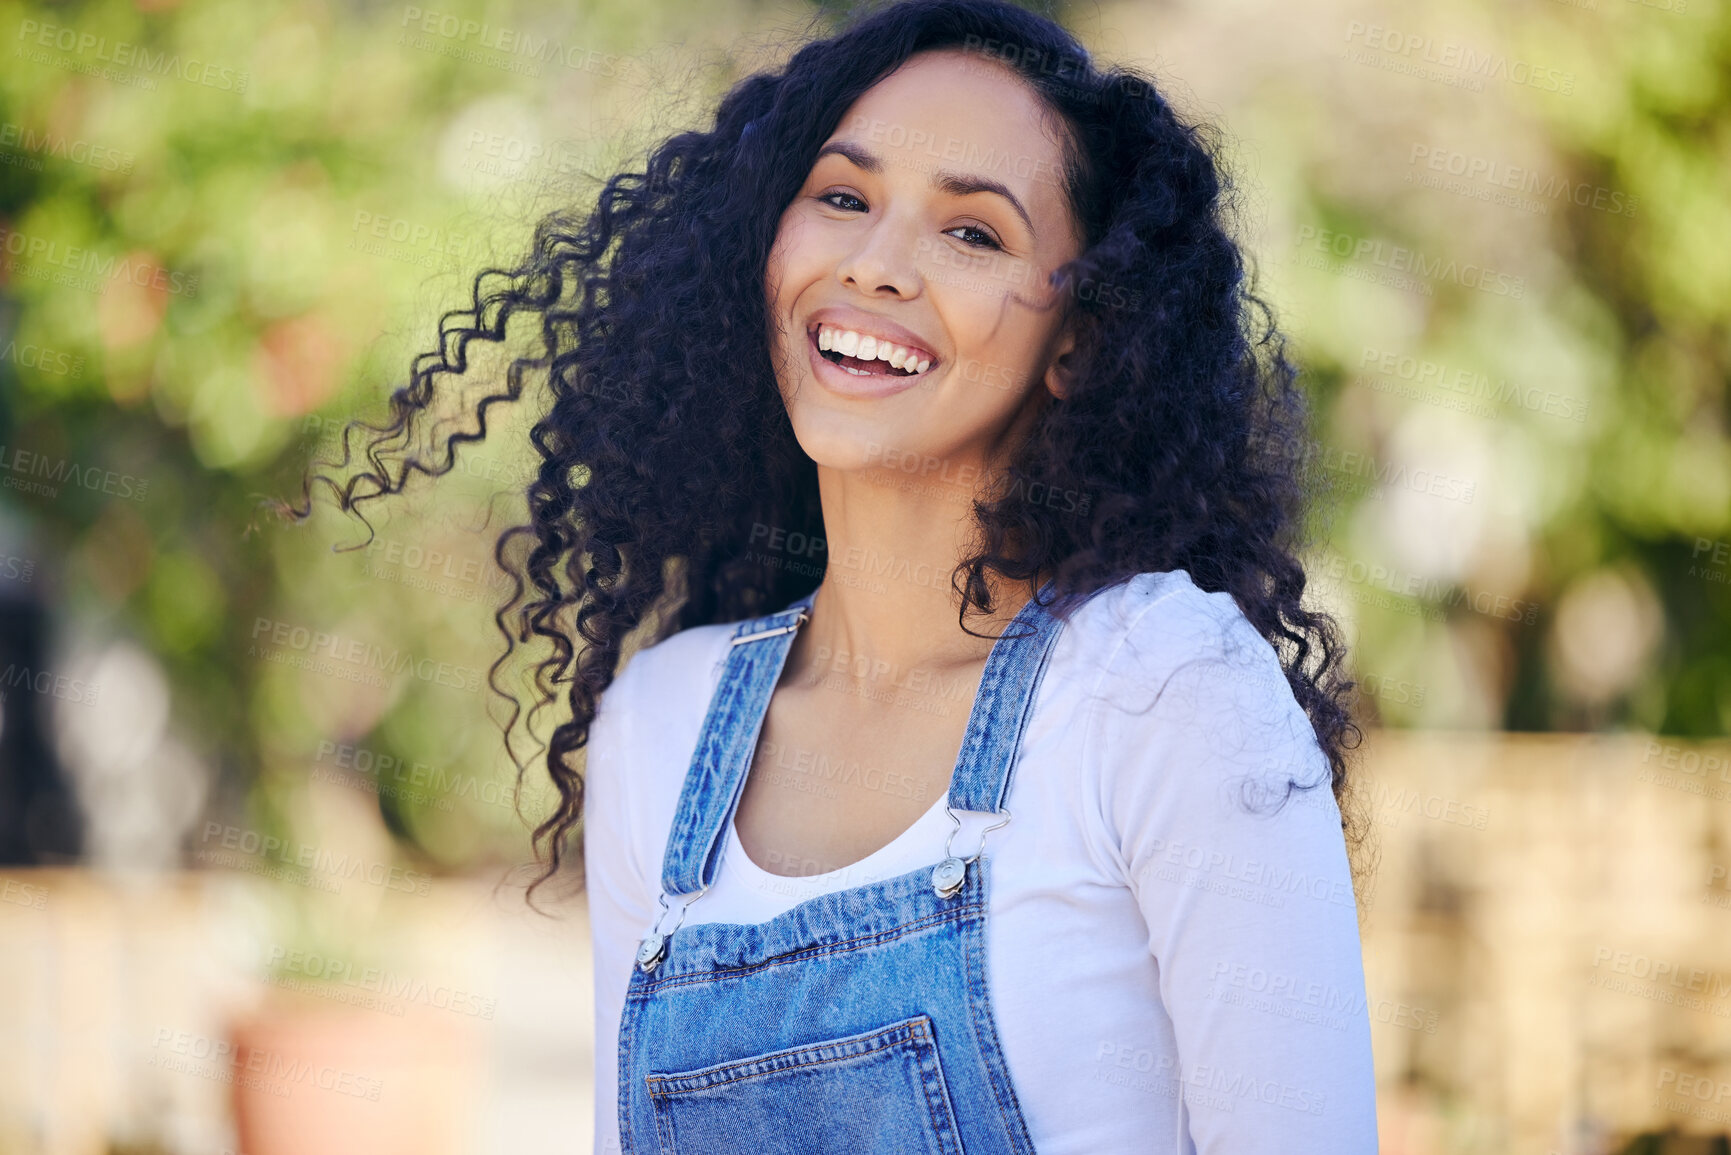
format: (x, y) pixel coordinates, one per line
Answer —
(774, 631)
(654, 948)
(948, 875)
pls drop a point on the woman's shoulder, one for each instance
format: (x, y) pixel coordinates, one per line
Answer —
(1151, 625)
(1184, 672)
(677, 670)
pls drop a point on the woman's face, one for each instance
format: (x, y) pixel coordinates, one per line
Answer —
(910, 315)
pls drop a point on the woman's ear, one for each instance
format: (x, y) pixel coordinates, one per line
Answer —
(1060, 370)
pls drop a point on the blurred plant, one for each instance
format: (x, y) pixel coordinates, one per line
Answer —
(1523, 393)
(208, 268)
(211, 216)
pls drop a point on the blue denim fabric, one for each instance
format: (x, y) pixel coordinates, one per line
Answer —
(859, 1021)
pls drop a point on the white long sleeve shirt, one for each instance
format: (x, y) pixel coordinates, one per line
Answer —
(1173, 954)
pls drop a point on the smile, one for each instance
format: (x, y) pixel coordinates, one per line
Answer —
(866, 355)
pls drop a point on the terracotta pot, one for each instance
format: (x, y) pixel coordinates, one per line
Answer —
(315, 1075)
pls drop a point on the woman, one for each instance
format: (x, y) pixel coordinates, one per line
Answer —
(944, 316)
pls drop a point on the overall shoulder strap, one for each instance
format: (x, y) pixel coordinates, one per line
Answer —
(756, 654)
(1002, 706)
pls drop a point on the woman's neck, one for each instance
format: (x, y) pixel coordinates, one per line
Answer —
(886, 602)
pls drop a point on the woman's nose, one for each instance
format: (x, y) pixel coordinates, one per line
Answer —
(883, 262)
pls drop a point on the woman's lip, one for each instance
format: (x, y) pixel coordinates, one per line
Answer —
(838, 380)
(920, 351)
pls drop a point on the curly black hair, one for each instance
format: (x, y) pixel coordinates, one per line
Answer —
(651, 479)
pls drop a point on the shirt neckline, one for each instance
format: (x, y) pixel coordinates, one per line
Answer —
(739, 860)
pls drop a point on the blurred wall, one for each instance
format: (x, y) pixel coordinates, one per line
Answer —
(1547, 953)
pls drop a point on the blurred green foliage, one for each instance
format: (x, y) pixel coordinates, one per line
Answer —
(229, 225)
(1584, 585)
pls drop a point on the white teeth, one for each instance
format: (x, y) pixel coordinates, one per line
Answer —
(865, 347)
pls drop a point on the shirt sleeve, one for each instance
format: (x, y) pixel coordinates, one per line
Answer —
(620, 904)
(1219, 811)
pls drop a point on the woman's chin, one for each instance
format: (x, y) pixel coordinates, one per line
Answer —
(847, 441)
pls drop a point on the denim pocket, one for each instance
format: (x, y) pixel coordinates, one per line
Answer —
(880, 1092)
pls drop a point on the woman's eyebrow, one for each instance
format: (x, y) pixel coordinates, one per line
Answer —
(962, 184)
(954, 183)
(853, 152)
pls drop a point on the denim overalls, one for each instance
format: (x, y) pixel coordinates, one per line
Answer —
(858, 1021)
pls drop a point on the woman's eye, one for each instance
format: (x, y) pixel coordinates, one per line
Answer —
(979, 238)
(831, 198)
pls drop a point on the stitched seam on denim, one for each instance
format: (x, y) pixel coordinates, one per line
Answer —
(748, 714)
(723, 707)
(974, 1008)
(992, 682)
(993, 696)
(1044, 635)
(940, 1126)
(686, 818)
(627, 1061)
(703, 726)
(852, 944)
(990, 1048)
(987, 704)
(1025, 714)
(869, 1045)
(663, 1136)
(740, 693)
(925, 1092)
